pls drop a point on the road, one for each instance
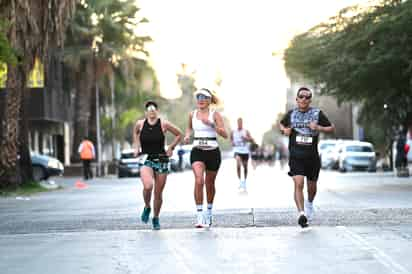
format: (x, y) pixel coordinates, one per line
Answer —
(362, 225)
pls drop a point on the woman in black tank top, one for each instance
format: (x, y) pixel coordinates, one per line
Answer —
(152, 139)
(149, 143)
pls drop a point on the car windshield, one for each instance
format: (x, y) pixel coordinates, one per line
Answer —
(359, 149)
(129, 155)
(326, 146)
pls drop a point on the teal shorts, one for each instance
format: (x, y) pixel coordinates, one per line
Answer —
(159, 167)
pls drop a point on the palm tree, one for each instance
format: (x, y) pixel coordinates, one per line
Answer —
(101, 34)
(35, 27)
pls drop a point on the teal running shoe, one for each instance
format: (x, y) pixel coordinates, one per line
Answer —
(156, 223)
(145, 215)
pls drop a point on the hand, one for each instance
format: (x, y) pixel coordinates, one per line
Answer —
(314, 126)
(186, 140)
(136, 153)
(287, 131)
(169, 151)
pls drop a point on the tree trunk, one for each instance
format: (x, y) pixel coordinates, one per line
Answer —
(35, 27)
(83, 104)
(9, 175)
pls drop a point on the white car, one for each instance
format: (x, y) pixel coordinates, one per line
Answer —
(326, 150)
(128, 164)
(356, 155)
(174, 160)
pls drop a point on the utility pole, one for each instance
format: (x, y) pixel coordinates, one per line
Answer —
(113, 116)
(98, 139)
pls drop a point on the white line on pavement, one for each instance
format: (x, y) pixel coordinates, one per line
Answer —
(379, 255)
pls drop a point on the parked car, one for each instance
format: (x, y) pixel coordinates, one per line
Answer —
(356, 155)
(174, 160)
(45, 166)
(326, 149)
(128, 164)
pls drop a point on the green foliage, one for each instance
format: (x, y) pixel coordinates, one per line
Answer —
(105, 30)
(26, 189)
(7, 54)
(361, 55)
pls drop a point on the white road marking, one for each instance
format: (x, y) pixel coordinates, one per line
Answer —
(378, 254)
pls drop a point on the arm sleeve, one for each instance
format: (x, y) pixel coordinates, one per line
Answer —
(323, 120)
(80, 148)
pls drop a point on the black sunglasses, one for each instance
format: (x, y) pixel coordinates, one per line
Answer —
(307, 97)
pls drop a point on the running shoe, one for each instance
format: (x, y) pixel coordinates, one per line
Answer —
(303, 221)
(156, 223)
(309, 211)
(244, 184)
(209, 219)
(145, 215)
(200, 220)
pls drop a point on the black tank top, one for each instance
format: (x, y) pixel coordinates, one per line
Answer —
(152, 139)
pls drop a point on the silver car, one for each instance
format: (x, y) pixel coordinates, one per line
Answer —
(356, 155)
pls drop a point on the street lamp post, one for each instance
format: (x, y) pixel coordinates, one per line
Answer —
(98, 139)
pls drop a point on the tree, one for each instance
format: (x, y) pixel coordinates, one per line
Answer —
(35, 27)
(7, 53)
(101, 34)
(362, 55)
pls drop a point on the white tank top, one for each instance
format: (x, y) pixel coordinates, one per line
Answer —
(239, 144)
(204, 135)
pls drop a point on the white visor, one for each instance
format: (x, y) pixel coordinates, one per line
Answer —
(204, 92)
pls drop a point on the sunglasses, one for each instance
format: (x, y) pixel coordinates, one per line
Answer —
(151, 108)
(202, 97)
(307, 97)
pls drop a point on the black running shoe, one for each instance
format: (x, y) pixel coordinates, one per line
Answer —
(303, 221)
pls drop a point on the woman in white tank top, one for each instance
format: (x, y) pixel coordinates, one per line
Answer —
(205, 157)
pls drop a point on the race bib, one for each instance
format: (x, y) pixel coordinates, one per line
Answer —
(203, 142)
(304, 140)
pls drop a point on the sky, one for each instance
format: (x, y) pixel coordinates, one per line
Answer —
(233, 40)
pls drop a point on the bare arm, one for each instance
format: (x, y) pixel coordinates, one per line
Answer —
(220, 127)
(178, 136)
(328, 129)
(249, 137)
(136, 139)
(189, 129)
(285, 130)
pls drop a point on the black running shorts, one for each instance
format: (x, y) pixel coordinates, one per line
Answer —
(309, 167)
(211, 158)
(243, 156)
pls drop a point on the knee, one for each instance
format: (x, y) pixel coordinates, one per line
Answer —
(199, 181)
(148, 187)
(158, 197)
(299, 185)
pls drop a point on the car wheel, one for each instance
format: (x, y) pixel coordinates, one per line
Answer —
(120, 175)
(39, 173)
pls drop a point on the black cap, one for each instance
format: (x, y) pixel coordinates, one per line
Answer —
(150, 103)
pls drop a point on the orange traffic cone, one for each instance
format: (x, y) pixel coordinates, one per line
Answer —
(80, 185)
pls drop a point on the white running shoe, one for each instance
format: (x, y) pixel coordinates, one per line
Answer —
(208, 219)
(309, 211)
(200, 220)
